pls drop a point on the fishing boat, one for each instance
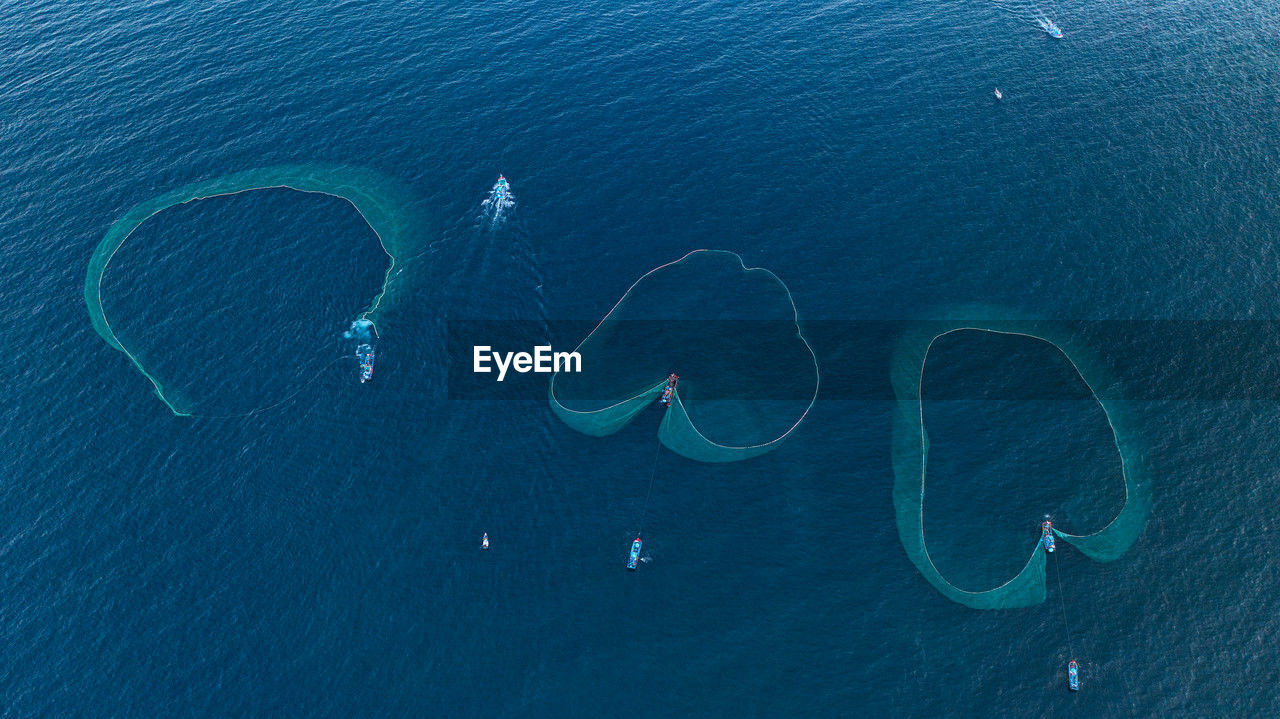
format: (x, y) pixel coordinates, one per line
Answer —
(670, 389)
(1051, 27)
(999, 95)
(484, 542)
(502, 189)
(635, 554)
(365, 354)
(1073, 675)
(1046, 536)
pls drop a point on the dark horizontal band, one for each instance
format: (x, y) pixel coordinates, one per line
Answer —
(765, 360)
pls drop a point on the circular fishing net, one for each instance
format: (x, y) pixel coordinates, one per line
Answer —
(747, 375)
(1101, 517)
(379, 202)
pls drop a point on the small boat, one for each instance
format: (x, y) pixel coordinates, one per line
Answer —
(635, 554)
(502, 189)
(484, 542)
(1073, 675)
(670, 389)
(1046, 536)
(999, 95)
(365, 354)
(1051, 27)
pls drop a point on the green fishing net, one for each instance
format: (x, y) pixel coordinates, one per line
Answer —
(911, 452)
(381, 203)
(748, 376)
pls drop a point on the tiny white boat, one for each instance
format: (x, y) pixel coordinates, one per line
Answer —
(999, 95)
(484, 543)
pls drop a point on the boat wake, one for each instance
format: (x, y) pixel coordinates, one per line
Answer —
(499, 203)
(361, 329)
(1050, 27)
(1031, 10)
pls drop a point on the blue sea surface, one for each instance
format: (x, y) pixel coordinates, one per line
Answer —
(321, 558)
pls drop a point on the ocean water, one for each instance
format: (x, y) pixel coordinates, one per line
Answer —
(321, 558)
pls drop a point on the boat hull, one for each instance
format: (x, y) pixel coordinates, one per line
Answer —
(1046, 537)
(668, 391)
(365, 354)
